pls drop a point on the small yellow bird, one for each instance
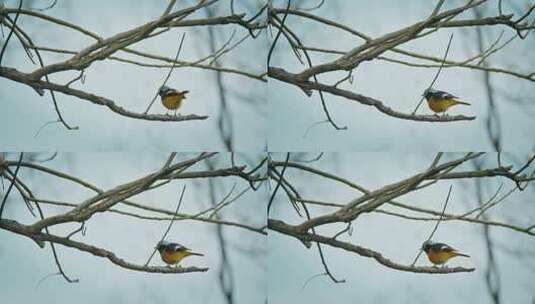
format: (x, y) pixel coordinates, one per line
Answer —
(171, 98)
(173, 253)
(440, 101)
(440, 253)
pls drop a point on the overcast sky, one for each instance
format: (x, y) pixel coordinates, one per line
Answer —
(292, 113)
(112, 149)
(289, 113)
(292, 264)
(23, 264)
(133, 87)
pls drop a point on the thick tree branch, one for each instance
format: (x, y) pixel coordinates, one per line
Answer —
(295, 232)
(27, 231)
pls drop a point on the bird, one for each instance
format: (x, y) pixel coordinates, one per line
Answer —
(172, 253)
(440, 253)
(440, 101)
(171, 98)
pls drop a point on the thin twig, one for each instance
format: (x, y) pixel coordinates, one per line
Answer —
(4, 200)
(272, 47)
(169, 74)
(436, 226)
(47, 79)
(438, 73)
(10, 33)
(170, 224)
(279, 182)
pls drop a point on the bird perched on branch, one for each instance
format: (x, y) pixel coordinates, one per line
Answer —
(440, 101)
(173, 253)
(440, 253)
(171, 98)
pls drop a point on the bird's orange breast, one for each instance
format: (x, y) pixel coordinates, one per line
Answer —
(173, 257)
(172, 102)
(438, 105)
(440, 257)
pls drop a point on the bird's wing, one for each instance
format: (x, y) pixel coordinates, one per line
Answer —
(445, 95)
(177, 246)
(442, 247)
(172, 92)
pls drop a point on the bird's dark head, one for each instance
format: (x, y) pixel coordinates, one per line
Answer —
(426, 245)
(164, 90)
(429, 92)
(161, 245)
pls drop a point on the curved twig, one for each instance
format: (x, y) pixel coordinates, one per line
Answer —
(4, 47)
(278, 183)
(169, 74)
(436, 226)
(437, 74)
(4, 200)
(170, 224)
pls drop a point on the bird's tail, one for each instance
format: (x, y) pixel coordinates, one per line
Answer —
(461, 102)
(195, 253)
(461, 254)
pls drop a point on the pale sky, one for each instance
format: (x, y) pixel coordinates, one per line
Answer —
(292, 113)
(376, 149)
(132, 87)
(23, 264)
(292, 264)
